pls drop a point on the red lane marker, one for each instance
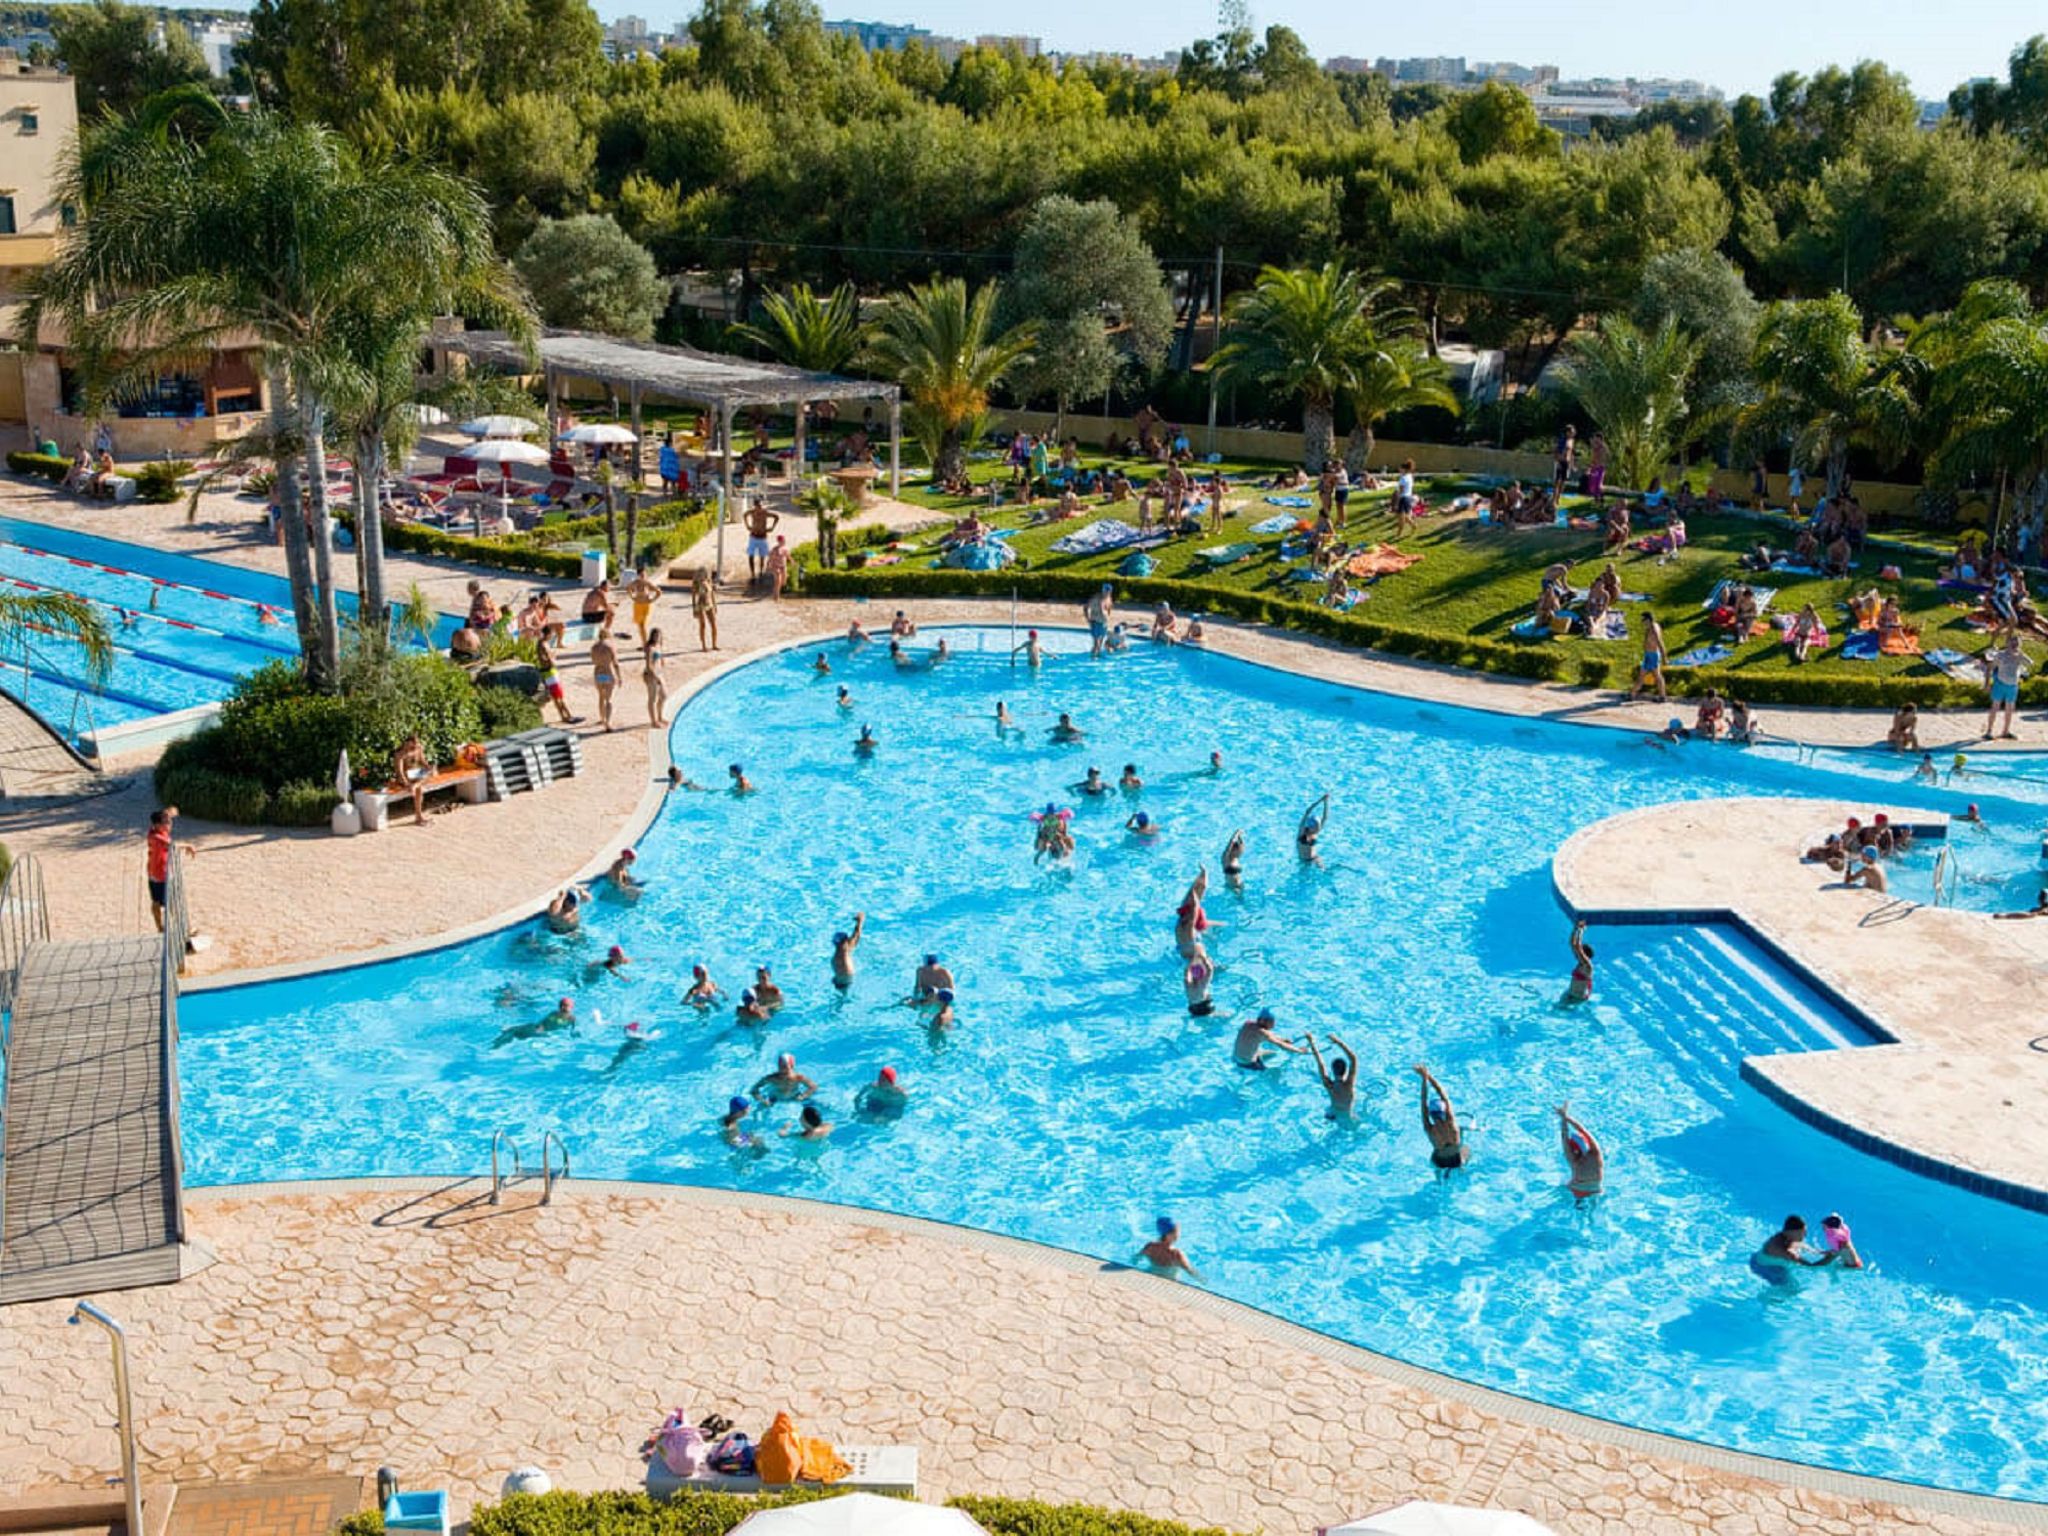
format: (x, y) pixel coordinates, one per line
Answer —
(217, 596)
(181, 623)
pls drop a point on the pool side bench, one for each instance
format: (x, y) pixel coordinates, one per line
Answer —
(876, 1469)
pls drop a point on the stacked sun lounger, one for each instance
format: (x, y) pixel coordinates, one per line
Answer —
(559, 752)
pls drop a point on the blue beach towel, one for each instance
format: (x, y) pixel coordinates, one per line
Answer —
(1861, 646)
(1701, 656)
(1139, 564)
(1272, 524)
(1290, 501)
(1103, 534)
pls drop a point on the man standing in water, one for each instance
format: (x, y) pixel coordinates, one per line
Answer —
(1440, 1124)
(931, 978)
(1340, 1077)
(1582, 1155)
(843, 946)
(1099, 610)
(1253, 1036)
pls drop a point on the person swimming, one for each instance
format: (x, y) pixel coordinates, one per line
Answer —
(811, 1125)
(1065, 729)
(703, 990)
(864, 745)
(1005, 721)
(844, 944)
(614, 963)
(562, 1017)
(1785, 1250)
(1129, 780)
(785, 1084)
(1253, 1036)
(1054, 837)
(1034, 653)
(943, 1017)
(1313, 821)
(1580, 988)
(1440, 1124)
(732, 1125)
(565, 912)
(1190, 922)
(1582, 1156)
(1195, 978)
(1233, 854)
(620, 875)
(884, 1096)
(821, 666)
(1215, 762)
(766, 993)
(1836, 1238)
(931, 978)
(741, 784)
(1094, 784)
(1164, 1253)
(638, 1037)
(1340, 1077)
(1142, 825)
(750, 1009)
(845, 699)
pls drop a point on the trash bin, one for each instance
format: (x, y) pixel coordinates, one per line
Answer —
(593, 567)
(370, 807)
(422, 1511)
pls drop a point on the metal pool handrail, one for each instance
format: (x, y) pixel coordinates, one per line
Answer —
(177, 935)
(547, 1165)
(503, 1137)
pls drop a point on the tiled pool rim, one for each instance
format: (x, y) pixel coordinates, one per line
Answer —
(2017, 1513)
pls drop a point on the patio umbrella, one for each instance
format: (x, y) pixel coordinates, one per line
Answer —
(499, 426)
(859, 1514)
(504, 452)
(599, 432)
(1422, 1518)
(342, 782)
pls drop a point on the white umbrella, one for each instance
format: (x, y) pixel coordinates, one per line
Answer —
(1422, 1518)
(499, 426)
(505, 452)
(859, 1514)
(600, 432)
(342, 782)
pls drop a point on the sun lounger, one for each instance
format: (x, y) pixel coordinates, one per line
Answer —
(888, 1469)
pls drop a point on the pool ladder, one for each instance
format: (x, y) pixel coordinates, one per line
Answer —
(1946, 874)
(549, 1144)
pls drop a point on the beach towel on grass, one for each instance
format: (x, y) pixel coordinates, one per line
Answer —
(1289, 501)
(1612, 626)
(1951, 584)
(1963, 668)
(1350, 600)
(1763, 595)
(1701, 656)
(1137, 564)
(1900, 642)
(1380, 560)
(1531, 629)
(1785, 623)
(1272, 524)
(1105, 533)
(1225, 554)
(1861, 646)
(1795, 568)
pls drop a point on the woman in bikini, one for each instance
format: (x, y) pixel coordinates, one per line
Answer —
(650, 674)
(704, 604)
(604, 674)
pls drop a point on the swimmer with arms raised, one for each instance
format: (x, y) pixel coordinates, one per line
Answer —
(1340, 1077)
(1313, 821)
(1190, 922)
(1163, 1253)
(1142, 825)
(843, 946)
(1580, 987)
(1233, 855)
(564, 913)
(1440, 1124)
(1253, 1036)
(1582, 1155)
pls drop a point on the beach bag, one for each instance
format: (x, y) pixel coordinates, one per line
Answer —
(780, 1457)
(733, 1456)
(683, 1449)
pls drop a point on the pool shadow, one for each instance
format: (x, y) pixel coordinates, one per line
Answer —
(1499, 937)
(434, 1209)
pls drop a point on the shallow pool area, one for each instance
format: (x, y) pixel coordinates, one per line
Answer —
(1077, 1100)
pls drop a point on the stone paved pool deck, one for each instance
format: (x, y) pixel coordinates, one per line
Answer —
(350, 1326)
(328, 1339)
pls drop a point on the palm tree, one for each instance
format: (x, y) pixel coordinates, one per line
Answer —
(1988, 404)
(265, 225)
(1403, 377)
(1633, 383)
(25, 615)
(807, 330)
(1827, 389)
(941, 345)
(1309, 334)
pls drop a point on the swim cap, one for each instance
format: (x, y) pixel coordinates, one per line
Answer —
(931, 959)
(733, 768)
(1032, 633)
(760, 970)
(697, 970)
(616, 953)
(1167, 1226)
(628, 855)
(1973, 808)
(945, 994)
(1881, 819)
(1674, 724)
(1854, 823)
(785, 1062)
(889, 1075)
(568, 1003)
(839, 937)
(1265, 1016)
(1142, 819)
(746, 994)
(736, 1105)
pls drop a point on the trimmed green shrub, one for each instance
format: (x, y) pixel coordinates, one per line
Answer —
(302, 804)
(212, 795)
(506, 712)
(1030, 1517)
(49, 466)
(666, 529)
(158, 480)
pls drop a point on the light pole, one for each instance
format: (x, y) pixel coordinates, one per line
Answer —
(131, 1478)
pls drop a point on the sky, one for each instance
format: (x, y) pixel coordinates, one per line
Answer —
(1738, 45)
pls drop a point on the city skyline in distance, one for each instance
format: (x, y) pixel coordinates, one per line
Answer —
(1738, 45)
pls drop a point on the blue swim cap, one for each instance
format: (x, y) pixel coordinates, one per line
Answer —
(747, 995)
(1167, 1226)
(1142, 819)
(736, 1105)
(931, 959)
(732, 768)
(945, 994)
(839, 938)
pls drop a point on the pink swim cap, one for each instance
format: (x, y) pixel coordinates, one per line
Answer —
(889, 1075)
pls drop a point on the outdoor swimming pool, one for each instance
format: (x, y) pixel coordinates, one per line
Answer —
(184, 629)
(1077, 1100)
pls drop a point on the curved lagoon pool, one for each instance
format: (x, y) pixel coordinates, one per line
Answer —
(1077, 1099)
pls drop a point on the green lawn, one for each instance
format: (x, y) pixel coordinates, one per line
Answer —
(1476, 582)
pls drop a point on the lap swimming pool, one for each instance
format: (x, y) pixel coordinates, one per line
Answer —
(1077, 1100)
(184, 629)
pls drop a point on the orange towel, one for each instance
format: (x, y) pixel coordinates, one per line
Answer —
(1380, 560)
(1900, 642)
(784, 1457)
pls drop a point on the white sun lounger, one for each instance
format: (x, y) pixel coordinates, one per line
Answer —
(876, 1469)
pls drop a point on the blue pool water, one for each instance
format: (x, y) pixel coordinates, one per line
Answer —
(1077, 1100)
(184, 629)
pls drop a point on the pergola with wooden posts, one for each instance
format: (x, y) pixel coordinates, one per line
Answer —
(646, 370)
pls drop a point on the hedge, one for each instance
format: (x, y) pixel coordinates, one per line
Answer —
(1540, 661)
(713, 1514)
(50, 466)
(666, 530)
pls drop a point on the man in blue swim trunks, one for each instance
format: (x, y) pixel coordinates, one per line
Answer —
(1099, 610)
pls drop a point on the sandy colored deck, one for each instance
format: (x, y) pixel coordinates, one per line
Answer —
(1965, 995)
(352, 1326)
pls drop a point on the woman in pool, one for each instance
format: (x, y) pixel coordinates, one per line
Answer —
(1005, 721)
(785, 1084)
(732, 1125)
(1195, 979)
(766, 992)
(864, 744)
(1313, 821)
(1190, 922)
(750, 1009)
(1034, 653)
(1233, 855)
(821, 666)
(703, 990)
(845, 697)
(843, 946)
(1163, 1252)
(884, 1096)
(1340, 1077)
(855, 635)
(620, 876)
(1580, 988)
(741, 784)
(903, 660)
(1785, 1250)
(811, 1125)
(1094, 784)
(1053, 837)
(1142, 825)
(565, 912)
(1583, 1158)
(1248, 1050)
(651, 678)
(1440, 1124)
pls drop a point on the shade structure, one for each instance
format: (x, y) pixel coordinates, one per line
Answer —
(507, 450)
(859, 1514)
(499, 426)
(1422, 1518)
(603, 432)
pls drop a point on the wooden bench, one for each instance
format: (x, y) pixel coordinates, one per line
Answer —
(876, 1469)
(471, 784)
